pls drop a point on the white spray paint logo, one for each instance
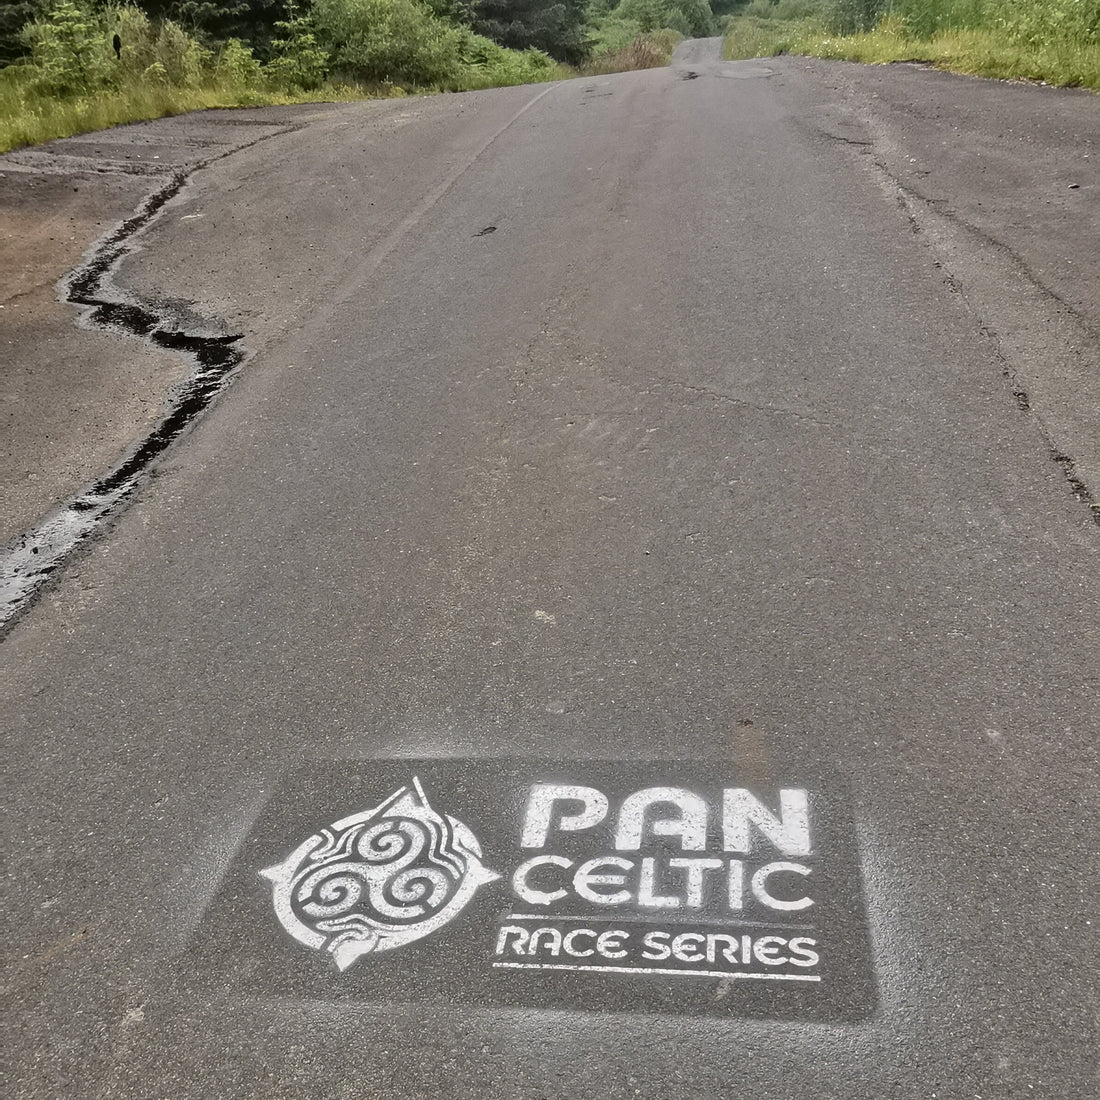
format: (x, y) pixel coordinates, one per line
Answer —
(379, 879)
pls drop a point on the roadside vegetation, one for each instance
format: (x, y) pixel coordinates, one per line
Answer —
(69, 66)
(1055, 41)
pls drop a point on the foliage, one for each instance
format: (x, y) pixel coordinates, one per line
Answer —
(70, 48)
(70, 76)
(610, 33)
(556, 27)
(644, 51)
(298, 60)
(852, 16)
(1035, 22)
(14, 16)
(1057, 41)
(406, 43)
(688, 17)
(486, 64)
(236, 66)
(388, 42)
(254, 22)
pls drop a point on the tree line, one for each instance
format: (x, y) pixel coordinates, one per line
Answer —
(556, 27)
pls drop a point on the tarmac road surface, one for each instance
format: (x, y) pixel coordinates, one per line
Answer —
(662, 505)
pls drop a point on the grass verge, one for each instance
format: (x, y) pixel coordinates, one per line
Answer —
(979, 52)
(29, 118)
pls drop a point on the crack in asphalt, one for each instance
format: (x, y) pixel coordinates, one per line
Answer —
(841, 138)
(35, 556)
(758, 406)
(915, 206)
(910, 201)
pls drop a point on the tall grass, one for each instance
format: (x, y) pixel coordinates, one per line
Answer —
(644, 51)
(1056, 41)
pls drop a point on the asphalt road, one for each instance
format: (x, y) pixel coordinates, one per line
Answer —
(639, 419)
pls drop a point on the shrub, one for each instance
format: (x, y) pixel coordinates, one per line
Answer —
(298, 60)
(235, 65)
(388, 41)
(646, 51)
(557, 27)
(613, 32)
(69, 48)
(853, 16)
(181, 56)
(1037, 22)
(489, 65)
(688, 17)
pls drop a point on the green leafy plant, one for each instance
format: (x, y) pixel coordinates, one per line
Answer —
(69, 49)
(388, 41)
(235, 65)
(298, 60)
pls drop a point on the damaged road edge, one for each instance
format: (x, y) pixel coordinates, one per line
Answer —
(32, 558)
(971, 262)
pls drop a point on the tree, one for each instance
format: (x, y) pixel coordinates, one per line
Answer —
(252, 21)
(13, 18)
(555, 26)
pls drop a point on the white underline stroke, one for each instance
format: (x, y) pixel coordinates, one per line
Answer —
(657, 970)
(663, 918)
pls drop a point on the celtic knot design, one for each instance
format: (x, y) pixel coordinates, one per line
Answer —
(379, 879)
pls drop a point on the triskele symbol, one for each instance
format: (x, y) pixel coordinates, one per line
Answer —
(379, 879)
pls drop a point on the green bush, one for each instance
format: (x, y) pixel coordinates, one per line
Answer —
(1057, 41)
(1037, 22)
(557, 27)
(388, 42)
(235, 65)
(645, 51)
(489, 65)
(14, 16)
(72, 49)
(853, 16)
(612, 32)
(298, 60)
(181, 56)
(692, 18)
(69, 49)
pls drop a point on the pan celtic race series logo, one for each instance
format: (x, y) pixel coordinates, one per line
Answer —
(612, 885)
(379, 879)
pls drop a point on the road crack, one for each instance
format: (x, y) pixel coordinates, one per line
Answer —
(35, 556)
(1058, 345)
(741, 402)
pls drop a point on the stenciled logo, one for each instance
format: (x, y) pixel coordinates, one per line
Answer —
(378, 880)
